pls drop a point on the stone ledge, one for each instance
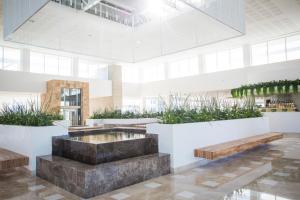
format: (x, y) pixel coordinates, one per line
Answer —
(91, 180)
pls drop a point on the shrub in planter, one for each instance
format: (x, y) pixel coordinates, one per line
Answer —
(118, 114)
(210, 109)
(26, 115)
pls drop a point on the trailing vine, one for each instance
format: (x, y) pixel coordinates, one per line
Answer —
(266, 88)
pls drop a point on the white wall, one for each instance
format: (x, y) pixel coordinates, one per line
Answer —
(287, 122)
(217, 81)
(25, 82)
(180, 140)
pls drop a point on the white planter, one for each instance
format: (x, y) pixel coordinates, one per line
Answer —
(63, 123)
(180, 140)
(288, 122)
(30, 141)
(96, 122)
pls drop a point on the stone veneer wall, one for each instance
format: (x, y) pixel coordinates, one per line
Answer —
(53, 94)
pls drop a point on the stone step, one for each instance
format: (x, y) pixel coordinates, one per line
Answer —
(10, 159)
(91, 180)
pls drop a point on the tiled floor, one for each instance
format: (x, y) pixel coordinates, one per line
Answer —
(270, 172)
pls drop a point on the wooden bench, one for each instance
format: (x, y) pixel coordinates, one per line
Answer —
(9, 159)
(228, 148)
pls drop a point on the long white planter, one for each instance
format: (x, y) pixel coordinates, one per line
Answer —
(96, 122)
(288, 122)
(180, 140)
(30, 141)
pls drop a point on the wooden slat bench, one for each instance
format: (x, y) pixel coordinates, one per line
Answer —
(228, 148)
(9, 159)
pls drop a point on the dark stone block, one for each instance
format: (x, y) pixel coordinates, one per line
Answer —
(91, 153)
(91, 180)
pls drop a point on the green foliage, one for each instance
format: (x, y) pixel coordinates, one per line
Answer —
(118, 114)
(266, 88)
(184, 110)
(26, 115)
(210, 109)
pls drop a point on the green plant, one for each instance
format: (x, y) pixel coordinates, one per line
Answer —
(266, 88)
(210, 109)
(26, 115)
(118, 114)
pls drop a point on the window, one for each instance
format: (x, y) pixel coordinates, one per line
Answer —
(276, 50)
(132, 105)
(293, 47)
(236, 58)
(210, 62)
(185, 67)
(154, 104)
(11, 59)
(37, 62)
(51, 64)
(223, 61)
(130, 74)
(259, 54)
(1, 57)
(153, 73)
(90, 69)
(65, 66)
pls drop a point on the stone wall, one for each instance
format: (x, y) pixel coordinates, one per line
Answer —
(51, 99)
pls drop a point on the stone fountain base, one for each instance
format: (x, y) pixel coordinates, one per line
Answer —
(91, 180)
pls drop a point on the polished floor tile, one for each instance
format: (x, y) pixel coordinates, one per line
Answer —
(268, 172)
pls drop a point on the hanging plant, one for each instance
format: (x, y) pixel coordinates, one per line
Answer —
(233, 93)
(267, 88)
(265, 91)
(271, 89)
(252, 91)
(286, 89)
(295, 88)
(279, 89)
(258, 90)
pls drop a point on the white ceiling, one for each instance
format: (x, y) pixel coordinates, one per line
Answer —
(78, 32)
(63, 28)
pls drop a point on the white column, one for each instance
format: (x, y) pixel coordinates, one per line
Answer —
(25, 60)
(166, 68)
(201, 64)
(75, 67)
(247, 55)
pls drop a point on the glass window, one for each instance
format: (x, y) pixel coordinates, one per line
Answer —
(83, 69)
(154, 104)
(37, 62)
(184, 67)
(259, 54)
(65, 66)
(130, 74)
(223, 60)
(93, 70)
(210, 62)
(236, 58)
(276, 50)
(293, 47)
(51, 64)
(11, 59)
(153, 73)
(1, 57)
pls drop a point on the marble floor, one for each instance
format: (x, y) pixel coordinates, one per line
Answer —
(269, 172)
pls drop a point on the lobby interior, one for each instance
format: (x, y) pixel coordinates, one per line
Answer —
(150, 99)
